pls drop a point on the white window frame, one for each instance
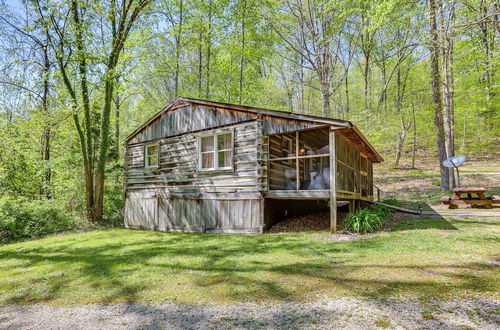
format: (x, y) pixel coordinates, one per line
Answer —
(215, 152)
(146, 155)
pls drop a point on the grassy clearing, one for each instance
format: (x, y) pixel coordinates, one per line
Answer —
(422, 184)
(433, 257)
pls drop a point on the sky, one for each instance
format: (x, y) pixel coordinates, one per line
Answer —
(14, 3)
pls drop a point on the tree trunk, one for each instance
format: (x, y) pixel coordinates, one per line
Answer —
(45, 188)
(104, 139)
(436, 94)
(117, 125)
(88, 150)
(447, 53)
(325, 97)
(347, 106)
(414, 149)
(366, 78)
(200, 64)
(302, 85)
(400, 140)
(242, 58)
(178, 40)
(209, 51)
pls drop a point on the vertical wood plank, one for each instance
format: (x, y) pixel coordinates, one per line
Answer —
(333, 183)
(297, 169)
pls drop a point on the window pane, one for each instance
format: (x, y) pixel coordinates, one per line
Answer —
(153, 160)
(224, 158)
(152, 149)
(224, 141)
(207, 143)
(207, 160)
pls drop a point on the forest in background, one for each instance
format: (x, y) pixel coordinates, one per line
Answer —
(77, 76)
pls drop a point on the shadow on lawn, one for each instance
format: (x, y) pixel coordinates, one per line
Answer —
(428, 220)
(143, 264)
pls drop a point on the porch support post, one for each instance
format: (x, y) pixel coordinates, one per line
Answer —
(352, 205)
(333, 182)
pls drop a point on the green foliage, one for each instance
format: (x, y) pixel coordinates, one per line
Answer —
(21, 219)
(369, 220)
(363, 221)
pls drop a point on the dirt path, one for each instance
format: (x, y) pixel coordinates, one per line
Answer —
(479, 313)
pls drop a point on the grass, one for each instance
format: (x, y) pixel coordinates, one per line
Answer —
(433, 257)
(422, 185)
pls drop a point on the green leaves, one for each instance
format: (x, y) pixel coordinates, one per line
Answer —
(368, 220)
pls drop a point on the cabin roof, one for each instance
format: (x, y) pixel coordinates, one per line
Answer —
(348, 130)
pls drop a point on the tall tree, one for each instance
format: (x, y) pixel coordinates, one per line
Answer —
(121, 17)
(314, 26)
(436, 94)
(34, 35)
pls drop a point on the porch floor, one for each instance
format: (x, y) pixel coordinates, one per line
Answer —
(313, 194)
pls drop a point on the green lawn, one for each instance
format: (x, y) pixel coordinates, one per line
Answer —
(438, 257)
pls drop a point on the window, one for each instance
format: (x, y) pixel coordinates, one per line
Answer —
(216, 152)
(152, 155)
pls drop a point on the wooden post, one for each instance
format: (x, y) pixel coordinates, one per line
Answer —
(352, 205)
(378, 194)
(260, 172)
(297, 168)
(333, 182)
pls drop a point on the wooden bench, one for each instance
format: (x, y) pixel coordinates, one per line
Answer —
(470, 197)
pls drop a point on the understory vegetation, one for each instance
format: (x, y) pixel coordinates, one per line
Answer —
(22, 219)
(423, 257)
(370, 219)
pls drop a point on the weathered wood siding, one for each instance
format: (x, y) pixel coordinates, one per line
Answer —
(274, 125)
(190, 200)
(190, 118)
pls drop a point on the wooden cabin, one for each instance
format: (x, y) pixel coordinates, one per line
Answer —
(203, 166)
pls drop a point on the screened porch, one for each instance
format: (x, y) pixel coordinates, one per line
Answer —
(300, 167)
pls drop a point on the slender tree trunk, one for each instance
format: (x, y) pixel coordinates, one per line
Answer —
(447, 53)
(89, 153)
(436, 93)
(104, 145)
(200, 64)
(401, 136)
(302, 86)
(178, 43)
(242, 54)
(347, 106)
(209, 51)
(401, 140)
(117, 125)
(488, 74)
(45, 189)
(366, 78)
(384, 82)
(414, 149)
(325, 98)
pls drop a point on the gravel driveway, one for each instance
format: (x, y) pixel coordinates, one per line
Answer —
(480, 313)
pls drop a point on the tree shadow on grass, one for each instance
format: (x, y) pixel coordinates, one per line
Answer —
(208, 267)
(429, 220)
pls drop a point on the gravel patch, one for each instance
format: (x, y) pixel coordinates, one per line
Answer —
(353, 313)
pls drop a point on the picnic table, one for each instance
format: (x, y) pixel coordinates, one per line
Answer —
(470, 197)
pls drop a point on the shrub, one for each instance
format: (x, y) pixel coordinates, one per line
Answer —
(369, 220)
(22, 219)
(363, 221)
